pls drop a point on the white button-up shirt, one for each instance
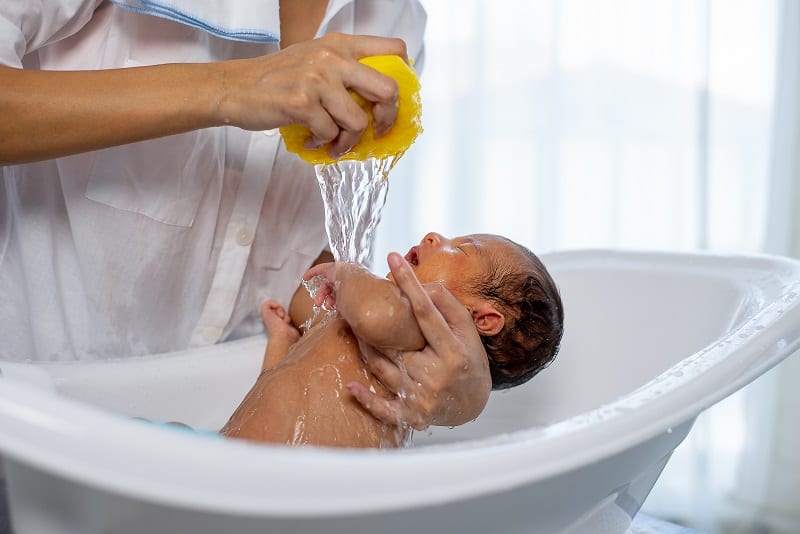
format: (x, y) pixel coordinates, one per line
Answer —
(162, 244)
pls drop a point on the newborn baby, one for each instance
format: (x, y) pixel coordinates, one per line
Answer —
(313, 388)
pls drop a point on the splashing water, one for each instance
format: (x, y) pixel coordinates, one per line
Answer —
(354, 193)
(313, 286)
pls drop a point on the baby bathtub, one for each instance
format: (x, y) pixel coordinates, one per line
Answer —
(652, 339)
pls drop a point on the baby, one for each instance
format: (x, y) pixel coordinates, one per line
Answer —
(306, 393)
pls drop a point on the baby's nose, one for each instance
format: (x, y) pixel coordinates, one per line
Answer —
(432, 238)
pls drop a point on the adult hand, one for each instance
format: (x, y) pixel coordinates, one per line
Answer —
(308, 83)
(445, 383)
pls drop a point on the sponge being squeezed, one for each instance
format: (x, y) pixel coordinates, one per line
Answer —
(404, 131)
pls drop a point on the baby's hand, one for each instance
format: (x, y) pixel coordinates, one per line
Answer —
(325, 275)
(278, 323)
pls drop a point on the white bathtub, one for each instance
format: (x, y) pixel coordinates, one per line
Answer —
(651, 340)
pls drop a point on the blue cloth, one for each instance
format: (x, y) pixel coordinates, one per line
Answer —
(237, 20)
(180, 427)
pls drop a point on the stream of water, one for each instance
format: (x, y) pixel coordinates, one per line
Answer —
(354, 193)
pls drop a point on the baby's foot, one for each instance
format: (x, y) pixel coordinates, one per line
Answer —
(278, 323)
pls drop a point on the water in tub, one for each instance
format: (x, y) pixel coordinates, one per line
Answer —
(304, 398)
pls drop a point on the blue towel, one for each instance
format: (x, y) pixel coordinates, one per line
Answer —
(180, 427)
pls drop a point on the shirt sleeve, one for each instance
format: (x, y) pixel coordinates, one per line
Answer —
(405, 19)
(27, 25)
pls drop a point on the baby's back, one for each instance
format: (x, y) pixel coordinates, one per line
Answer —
(305, 400)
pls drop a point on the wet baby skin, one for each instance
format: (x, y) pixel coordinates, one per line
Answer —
(304, 398)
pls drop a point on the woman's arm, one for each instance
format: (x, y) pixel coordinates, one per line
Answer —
(47, 114)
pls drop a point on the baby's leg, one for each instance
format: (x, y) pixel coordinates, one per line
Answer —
(282, 334)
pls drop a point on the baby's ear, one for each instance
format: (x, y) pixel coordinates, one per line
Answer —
(487, 319)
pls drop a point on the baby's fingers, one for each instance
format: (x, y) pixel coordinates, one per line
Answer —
(324, 293)
(325, 270)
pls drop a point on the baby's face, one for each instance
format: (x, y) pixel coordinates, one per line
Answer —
(456, 262)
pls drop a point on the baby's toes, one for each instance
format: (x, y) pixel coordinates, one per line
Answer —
(272, 313)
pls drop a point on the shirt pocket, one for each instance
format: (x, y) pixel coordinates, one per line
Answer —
(292, 220)
(163, 179)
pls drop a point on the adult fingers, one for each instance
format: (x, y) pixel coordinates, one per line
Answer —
(374, 87)
(431, 323)
(387, 371)
(324, 129)
(384, 115)
(384, 112)
(392, 412)
(344, 121)
(455, 315)
(369, 45)
(425, 370)
(379, 89)
(453, 311)
(380, 408)
(369, 83)
(351, 119)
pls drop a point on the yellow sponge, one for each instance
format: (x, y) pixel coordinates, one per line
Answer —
(405, 130)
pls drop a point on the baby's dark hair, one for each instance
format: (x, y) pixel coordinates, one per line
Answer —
(528, 298)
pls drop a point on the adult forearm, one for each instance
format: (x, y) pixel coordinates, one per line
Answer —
(47, 114)
(44, 114)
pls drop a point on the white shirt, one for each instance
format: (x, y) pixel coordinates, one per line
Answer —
(163, 244)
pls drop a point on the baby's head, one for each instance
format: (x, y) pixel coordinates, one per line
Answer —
(514, 302)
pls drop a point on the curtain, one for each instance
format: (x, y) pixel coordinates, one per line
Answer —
(632, 124)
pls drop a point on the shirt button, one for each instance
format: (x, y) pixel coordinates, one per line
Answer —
(271, 133)
(244, 235)
(210, 334)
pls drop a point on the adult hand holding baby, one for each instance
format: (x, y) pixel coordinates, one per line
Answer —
(446, 383)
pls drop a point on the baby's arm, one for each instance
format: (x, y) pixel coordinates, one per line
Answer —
(285, 329)
(448, 381)
(375, 308)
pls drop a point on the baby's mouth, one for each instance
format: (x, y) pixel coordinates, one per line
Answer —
(412, 257)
